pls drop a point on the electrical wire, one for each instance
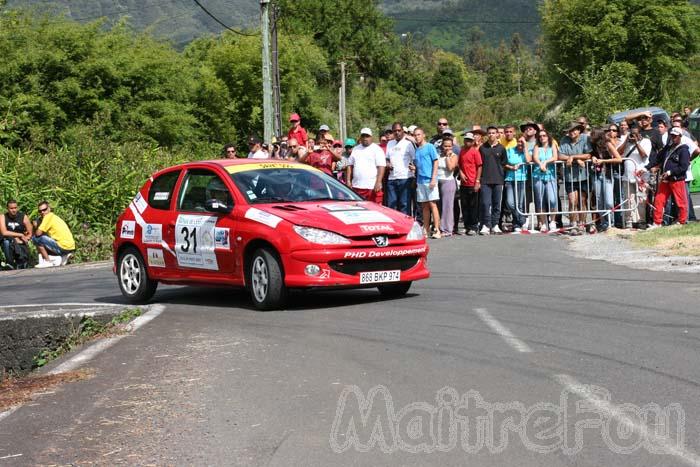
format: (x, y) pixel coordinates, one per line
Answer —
(220, 22)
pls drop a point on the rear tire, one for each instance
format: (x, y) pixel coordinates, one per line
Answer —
(265, 281)
(394, 290)
(132, 277)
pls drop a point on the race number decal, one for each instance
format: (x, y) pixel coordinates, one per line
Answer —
(194, 242)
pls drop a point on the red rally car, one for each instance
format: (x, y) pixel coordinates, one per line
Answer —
(265, 225)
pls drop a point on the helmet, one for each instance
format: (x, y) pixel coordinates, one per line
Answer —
(218, 191)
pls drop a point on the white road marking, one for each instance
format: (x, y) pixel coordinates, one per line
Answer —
(502, 331)
(90, 353)
(45, 305)
(11, 456)
(612, 411)
(8, 412)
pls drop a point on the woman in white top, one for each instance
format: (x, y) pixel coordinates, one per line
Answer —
(636, 156)
(447, 185)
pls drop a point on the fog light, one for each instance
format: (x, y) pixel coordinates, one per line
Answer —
(312, 270)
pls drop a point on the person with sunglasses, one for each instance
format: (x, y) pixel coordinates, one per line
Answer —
(229, 151)
(53, 239)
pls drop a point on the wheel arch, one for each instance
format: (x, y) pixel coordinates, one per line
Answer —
(251, 247)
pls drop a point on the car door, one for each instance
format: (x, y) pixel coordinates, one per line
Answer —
(203, 232)
(157, 240)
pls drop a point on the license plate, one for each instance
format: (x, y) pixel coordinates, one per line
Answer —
(380, 276)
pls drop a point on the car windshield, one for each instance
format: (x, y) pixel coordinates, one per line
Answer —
(283, 185)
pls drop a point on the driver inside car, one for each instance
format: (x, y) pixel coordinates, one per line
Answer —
(218, 194)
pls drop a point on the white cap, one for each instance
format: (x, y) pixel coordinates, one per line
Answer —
(676, 131)
(323, 128)
(412, 128)
(448, 131)
(469, 135)
(366, 131)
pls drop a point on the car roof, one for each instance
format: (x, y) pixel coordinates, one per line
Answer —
(656, 111)
(225, 163)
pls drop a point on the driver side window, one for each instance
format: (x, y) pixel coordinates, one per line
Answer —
(200, 186)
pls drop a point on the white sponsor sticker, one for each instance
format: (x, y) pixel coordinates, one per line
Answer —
(161, 196)
(372, 228)
(140, 203)
(360, 217)
(156, 258)
(194, 242)
(128, 229)
(344, 207)
(152, 233)
(263, 217)
(222, 238)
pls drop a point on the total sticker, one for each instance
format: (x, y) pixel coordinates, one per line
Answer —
(263, 217)
(194, 242)
(360, 217)
(128, 229)
(373, 228)
(156, 258)
(140, 203)
(152, 233)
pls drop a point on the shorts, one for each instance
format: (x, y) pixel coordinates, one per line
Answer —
(425, 194)
(51, 245)
(576, 186)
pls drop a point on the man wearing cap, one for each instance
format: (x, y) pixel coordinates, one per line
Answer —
(575, 149)
(693, 150)
(322, 132)
(297, 131)
(644, 121)
(400, 153)
(342, 164)
(256, 149)
(365, 168)
(470, 182)
(672, 163)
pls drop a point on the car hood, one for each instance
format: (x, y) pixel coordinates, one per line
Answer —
(351, 219)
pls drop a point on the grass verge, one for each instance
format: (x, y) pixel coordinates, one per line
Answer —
(676, 240)
(18, 390)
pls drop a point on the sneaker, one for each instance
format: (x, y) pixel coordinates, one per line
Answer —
(484, 231)
(496, 230)
(44, 264)
(542, 228)
(653, 226)
(553, 226)
(471, 232)
(526, 225)
(437, 235)
(65, 258)
(56, 260)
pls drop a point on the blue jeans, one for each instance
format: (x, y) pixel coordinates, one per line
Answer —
(50, 244)
(516, 208)
(491, 196)
(603, 198)
(546, 189)
(398, 195)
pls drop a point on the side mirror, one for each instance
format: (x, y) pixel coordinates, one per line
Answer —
(214, 205)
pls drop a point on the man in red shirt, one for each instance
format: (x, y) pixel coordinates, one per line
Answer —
(297, 131)
(323, 159)
(470, 178)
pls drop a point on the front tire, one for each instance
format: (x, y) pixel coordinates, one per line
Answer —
(133, 278)
(394, 290)
(265, 281)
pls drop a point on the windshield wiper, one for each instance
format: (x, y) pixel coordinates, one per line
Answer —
(267, 199)
(321, 198)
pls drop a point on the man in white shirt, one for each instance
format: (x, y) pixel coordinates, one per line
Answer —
(636, 150)
(400, 153)
(365, 169)
(256, 151)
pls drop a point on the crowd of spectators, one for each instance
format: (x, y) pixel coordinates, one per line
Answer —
(517, 179)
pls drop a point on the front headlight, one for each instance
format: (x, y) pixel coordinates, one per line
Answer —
(323, 237)
(416, 232)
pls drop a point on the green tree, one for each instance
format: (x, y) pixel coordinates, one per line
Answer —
(656, 38)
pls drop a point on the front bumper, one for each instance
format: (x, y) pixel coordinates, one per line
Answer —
(342, 267)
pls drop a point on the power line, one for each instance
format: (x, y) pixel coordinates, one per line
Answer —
(437, 21)
(221, 23)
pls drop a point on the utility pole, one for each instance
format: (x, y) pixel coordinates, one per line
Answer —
(341, 104)
(266, 75)
(276, 91)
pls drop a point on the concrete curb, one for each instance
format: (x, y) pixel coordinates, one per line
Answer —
(26, 330)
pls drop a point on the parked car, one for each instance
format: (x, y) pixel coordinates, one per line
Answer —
(694, 123)
(657, 113)
(266, 225)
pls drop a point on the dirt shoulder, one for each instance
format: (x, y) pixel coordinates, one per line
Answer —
(665, 249)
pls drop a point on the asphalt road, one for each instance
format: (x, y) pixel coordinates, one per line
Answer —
(512, 353)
